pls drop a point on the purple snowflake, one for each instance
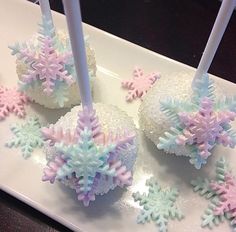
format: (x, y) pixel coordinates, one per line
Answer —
(12, 100)
(48, 66)
(205, 128)
(139, 84)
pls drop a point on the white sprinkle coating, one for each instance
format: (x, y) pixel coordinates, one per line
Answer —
(73, 96)
(152, 121)
(112, 119)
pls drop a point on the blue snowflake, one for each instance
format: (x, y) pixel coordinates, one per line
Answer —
(28, 136)
(84, 160)
(158, 205)
(200, 124)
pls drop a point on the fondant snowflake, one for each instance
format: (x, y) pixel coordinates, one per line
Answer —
(86, 155)
(221, 192)
(85, 159)
(158, 205)
(47, 63)
(28, 136)
(199, 125)
(12, 100)
(139, 84)
(48, 66)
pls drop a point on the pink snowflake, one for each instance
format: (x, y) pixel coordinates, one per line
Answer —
(227, 195)
(48, 66)
(205, 128)
(11, 100)
(139, 84)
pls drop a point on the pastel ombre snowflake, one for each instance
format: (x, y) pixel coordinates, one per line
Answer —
(27, 136)
(86, 155)
(221, 192)
(139, 84)
(49, 63)
(12, 100)
(158, 205)
(199, 125)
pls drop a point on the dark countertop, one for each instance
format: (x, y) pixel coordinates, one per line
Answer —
(176, 29)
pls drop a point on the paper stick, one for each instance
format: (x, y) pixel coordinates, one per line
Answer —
(216, 35)
(74, 22)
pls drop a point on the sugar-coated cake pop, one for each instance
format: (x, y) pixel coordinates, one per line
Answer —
(189, 116)
(192, 122)
(93, 157)
(93, 148)
(45, 67)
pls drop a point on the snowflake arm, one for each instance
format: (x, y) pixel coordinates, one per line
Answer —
(203, 88)
(203, 187)
(27, 136)
(50, 172)
(168, 143)
(209, 219)
(139, 84)
(60, 95)
(58, 135)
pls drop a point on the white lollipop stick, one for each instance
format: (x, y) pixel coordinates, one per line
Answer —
(45, 9)
(216, 35)
(74, 22)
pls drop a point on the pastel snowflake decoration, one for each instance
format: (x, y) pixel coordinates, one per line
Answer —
(49, 63)
(199, 125)
(139, 84)
(158, 205)
(27, 136)
(47, 66)
(86, 155)
(222, 194)
(12, 100)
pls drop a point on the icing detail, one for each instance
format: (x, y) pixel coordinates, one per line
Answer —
(27, 136)
(199, 125)
(139, 84)
(12, 100)
(158, 205)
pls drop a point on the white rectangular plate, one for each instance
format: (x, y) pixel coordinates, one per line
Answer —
(115, 211)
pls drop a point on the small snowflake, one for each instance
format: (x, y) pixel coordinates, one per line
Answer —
(139, 84)
(200, 124)
(86, 155)
(12, 100)
(221, 192)
(28, 136)
(158, 205)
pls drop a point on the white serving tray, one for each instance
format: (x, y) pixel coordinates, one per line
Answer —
(115, 211)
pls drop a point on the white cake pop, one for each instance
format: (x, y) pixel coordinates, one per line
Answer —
(189, 116)
(45, 65)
